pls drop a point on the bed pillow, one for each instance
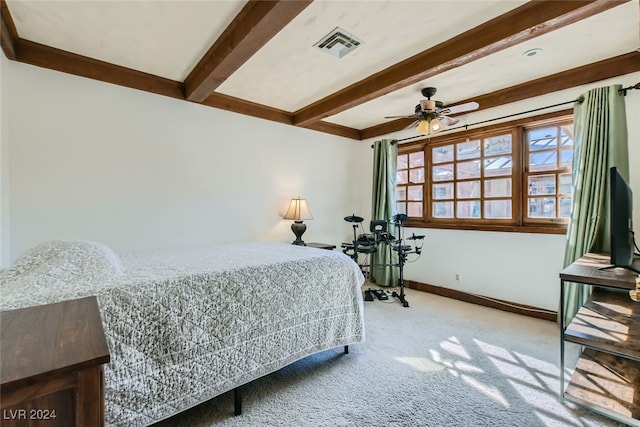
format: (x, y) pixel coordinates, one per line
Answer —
(69, 260)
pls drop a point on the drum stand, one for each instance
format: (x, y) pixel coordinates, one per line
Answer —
(352, 250)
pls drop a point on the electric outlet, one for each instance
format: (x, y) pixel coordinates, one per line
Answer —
(457, 276)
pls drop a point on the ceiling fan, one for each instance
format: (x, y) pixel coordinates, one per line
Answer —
(431, 116)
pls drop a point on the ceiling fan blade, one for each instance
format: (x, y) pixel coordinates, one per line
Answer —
(414, 124)
(461, 108)
(448, 121)
(412, 116)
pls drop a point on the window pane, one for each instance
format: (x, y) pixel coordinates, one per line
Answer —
(497, 209)
(545, 160)
(401, 207)
(401, 193)
(416, 159)
(416, 175)
(468, 150)
(468, 189)
(565, 207)
(542, 184)
(414, 209)
(468, 169)
(443, 191)
(415, 192)
(470, 209)
(402, 161)
(565, 183)
(497, 166)
(566, 135)
(497, 187)
(566, 157)
(442, 154)
(543, 139)
(497, 145)
(443, 172)
(401, 177)
(443, 209)
(542, 207)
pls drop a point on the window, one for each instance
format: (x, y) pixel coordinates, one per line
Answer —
(549, 153)
(472, 179)
(514, 177)
(410, 184)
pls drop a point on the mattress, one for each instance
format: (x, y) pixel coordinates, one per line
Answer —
(186, 325)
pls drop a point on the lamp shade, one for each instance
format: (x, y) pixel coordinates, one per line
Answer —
(429, 127)
(298, 210)
(423, 127)
(435, 125)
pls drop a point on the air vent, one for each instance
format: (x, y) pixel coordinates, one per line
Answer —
(338, 43)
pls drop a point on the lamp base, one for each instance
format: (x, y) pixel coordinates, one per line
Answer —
(298, 228)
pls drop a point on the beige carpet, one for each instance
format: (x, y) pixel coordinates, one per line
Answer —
(439, 362)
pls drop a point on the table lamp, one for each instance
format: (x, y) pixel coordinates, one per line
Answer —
(298, 211)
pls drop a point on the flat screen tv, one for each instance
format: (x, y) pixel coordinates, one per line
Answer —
(621, 213)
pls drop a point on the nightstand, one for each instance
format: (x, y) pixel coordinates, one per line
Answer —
(321, 245)
(52, 357)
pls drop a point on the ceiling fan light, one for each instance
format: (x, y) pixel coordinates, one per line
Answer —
(423, 127)
(435, 126)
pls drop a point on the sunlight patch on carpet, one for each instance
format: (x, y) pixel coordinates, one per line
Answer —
(466, 371)
(544, 404)
(453, 346)
(486, 389)
(520, 372)
(495, 351)
(536, 382)
(420, 364)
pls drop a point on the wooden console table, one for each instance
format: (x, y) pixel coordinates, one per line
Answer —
(51, 359)
(606, 378)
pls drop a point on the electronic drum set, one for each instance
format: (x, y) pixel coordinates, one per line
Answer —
(379, 237)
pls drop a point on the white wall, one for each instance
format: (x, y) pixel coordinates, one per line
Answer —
(4, 163)
(90, 160)
(516, 267)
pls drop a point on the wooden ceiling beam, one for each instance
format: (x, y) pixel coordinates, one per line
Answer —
(257, 23)
(248, 108)
(335, 129)
(528, 21)
(241, 106)
(8, 33)
(67, 62)
(597, 71)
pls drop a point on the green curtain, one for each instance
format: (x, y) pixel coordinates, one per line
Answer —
(383, 206)
(600, 141)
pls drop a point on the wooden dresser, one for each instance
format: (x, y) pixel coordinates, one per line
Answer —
(51, 359)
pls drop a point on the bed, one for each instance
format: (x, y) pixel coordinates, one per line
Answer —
(184, 326)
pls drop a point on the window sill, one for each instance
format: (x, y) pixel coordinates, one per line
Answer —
(537, 229)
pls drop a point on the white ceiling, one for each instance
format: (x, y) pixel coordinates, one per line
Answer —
(168, 38)
(605, 35)
(391, 31)
(165, 38)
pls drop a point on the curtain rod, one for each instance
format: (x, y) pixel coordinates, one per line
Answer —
(622, 92)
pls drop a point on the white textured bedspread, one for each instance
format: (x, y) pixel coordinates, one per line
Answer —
(185, 326)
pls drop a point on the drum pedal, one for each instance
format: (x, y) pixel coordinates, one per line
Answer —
(368, 295)
(380, 294)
